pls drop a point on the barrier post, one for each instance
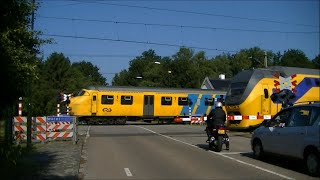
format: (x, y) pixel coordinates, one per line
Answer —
(190, 113)
(58, 109)
(20, 106)
(67, 109)
(75, 130)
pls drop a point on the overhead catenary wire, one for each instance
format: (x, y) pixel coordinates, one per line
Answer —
(179, 26)
(187, 12)
(135, 42)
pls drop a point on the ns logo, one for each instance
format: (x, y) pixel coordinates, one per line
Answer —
(107, 110)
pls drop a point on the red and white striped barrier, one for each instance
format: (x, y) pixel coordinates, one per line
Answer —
(251, 117)
(55, 135)
(41, 130)
(20, 119)
(53, 126)
(23, 137)
(194, 119)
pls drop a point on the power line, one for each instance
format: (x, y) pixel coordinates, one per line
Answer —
(109, 73)
(178, 26)
(190, 12)
(131, 41)
(100, 55)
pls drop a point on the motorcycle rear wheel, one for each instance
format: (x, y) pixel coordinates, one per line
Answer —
(218, 145)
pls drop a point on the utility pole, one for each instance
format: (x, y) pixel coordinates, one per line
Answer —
(29, 118)
(265, 59)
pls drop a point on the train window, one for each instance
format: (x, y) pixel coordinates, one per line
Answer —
(151, 100)
(166, 100)
(183, 101)
(94, 98)
(266, 94)
(107, 99)
(208, 102)
(221, 99)
(126, 100)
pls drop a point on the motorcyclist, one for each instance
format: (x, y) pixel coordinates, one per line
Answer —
(215, 118)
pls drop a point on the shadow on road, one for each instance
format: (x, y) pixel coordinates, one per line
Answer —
(203, 146)
(35, 164)
(280, 161)
(206, 147)
(283, 162)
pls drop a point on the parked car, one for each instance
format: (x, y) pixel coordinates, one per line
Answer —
(293, 132)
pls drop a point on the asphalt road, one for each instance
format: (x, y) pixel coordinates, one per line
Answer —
(174, 152)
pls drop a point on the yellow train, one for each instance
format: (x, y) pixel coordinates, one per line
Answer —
(248, 100)
(116, 105)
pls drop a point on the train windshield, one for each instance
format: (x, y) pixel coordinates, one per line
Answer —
(235, 93)
(81, 93)
(237, 89)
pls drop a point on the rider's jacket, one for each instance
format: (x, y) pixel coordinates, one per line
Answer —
(215, 117)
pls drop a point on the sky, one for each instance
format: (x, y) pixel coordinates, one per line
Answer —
(110, 34)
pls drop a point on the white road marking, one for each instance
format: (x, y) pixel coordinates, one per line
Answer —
(221, 154)
(88, 130)
(232, 153)
(87, 134)
(127, 170)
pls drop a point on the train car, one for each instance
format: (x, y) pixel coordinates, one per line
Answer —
(116, 105)
(248, 101)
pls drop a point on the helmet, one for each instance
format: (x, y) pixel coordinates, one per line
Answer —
(219, 104)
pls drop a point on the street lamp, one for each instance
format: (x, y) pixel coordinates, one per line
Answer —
(169, 77)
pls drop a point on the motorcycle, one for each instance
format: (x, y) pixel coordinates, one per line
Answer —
(217, 138)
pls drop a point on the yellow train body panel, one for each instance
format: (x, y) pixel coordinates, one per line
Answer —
(255, 102)
(148, 103)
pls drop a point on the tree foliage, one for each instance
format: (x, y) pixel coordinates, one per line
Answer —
(18, 46)
(188, 68)
(295, 58)
(57, 74)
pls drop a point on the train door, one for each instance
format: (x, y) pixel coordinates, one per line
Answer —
(148, 108)
(94, 104)
(265, 101)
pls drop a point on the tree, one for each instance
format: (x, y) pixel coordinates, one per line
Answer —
(316, 62)
(18, 46)
(57, 74)
(276, 59)
(241, 61)
(90, 72)
(182, 66)
(145, 68)
(121, 78)
(295, 58)
(218, 65)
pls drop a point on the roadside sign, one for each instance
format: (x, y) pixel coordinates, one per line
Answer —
(60, 118)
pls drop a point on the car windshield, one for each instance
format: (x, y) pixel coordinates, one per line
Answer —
(294, 117)
(279, 119)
